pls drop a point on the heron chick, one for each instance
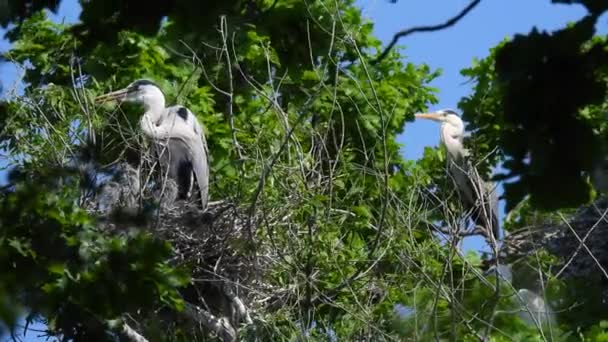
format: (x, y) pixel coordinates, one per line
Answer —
(121, 192)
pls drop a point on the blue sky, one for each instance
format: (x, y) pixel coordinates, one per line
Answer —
(449, 50)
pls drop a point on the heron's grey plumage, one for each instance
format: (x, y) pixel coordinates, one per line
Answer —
(167, 194)
(178, 137)
(108, 197)
(121, 192)
(183, 156)
(477, 196)
(129, 181)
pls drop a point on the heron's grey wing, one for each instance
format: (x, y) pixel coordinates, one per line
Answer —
(493, 207)
(174, 157)
(185, 127)
(200, 132)
(198, 129)
(460, 174)
(200, 167)
(485, 211)
(200, 158)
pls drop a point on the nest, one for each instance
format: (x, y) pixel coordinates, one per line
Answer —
(214, 244)
(580, 243)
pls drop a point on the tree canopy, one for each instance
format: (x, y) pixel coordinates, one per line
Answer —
(319, 229)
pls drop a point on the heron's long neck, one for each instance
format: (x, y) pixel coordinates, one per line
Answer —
(452, 140)
(150, 122)
(153, 115)
(154, 107)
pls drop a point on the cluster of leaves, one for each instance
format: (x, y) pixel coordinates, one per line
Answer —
(58, 265)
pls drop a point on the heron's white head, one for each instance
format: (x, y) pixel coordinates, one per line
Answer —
(142, 91)
(452, 128)
(449, 119)
(445, 116)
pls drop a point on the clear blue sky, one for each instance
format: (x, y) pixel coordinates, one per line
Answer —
(449, 50)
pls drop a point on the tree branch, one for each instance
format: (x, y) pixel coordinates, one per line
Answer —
(414, 29)
(238, 303)
(218, 325)
(478, 230)
(131, 334)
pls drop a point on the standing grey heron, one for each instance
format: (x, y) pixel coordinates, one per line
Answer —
(477, 196)
(178, 136)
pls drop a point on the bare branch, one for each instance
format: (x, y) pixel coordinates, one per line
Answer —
(132, 334)
(230, 104)
(238, 303)
(479, 230)
(218, 325)
(415, 29)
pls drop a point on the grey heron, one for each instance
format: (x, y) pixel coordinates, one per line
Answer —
(178, 136)
(477, 195)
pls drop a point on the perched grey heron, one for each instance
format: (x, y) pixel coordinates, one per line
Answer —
(178, 136)
(477, 196)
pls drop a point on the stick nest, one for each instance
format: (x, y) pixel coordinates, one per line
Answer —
(579, 243)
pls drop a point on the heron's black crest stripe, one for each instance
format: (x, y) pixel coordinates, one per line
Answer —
(183, 113)
(135, 86)
(450, 111)
(140, 83)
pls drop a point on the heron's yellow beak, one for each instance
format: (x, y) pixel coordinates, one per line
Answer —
(117, 95)
(429, 116)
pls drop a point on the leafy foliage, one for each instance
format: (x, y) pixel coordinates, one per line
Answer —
(58, 265)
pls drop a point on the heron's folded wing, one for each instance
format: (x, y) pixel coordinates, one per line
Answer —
(486, 199)
(190, 132)
(200, 167)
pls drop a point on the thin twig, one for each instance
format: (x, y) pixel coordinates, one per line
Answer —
(230, 105)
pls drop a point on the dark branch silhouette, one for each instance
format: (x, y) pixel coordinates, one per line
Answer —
(411, 30)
